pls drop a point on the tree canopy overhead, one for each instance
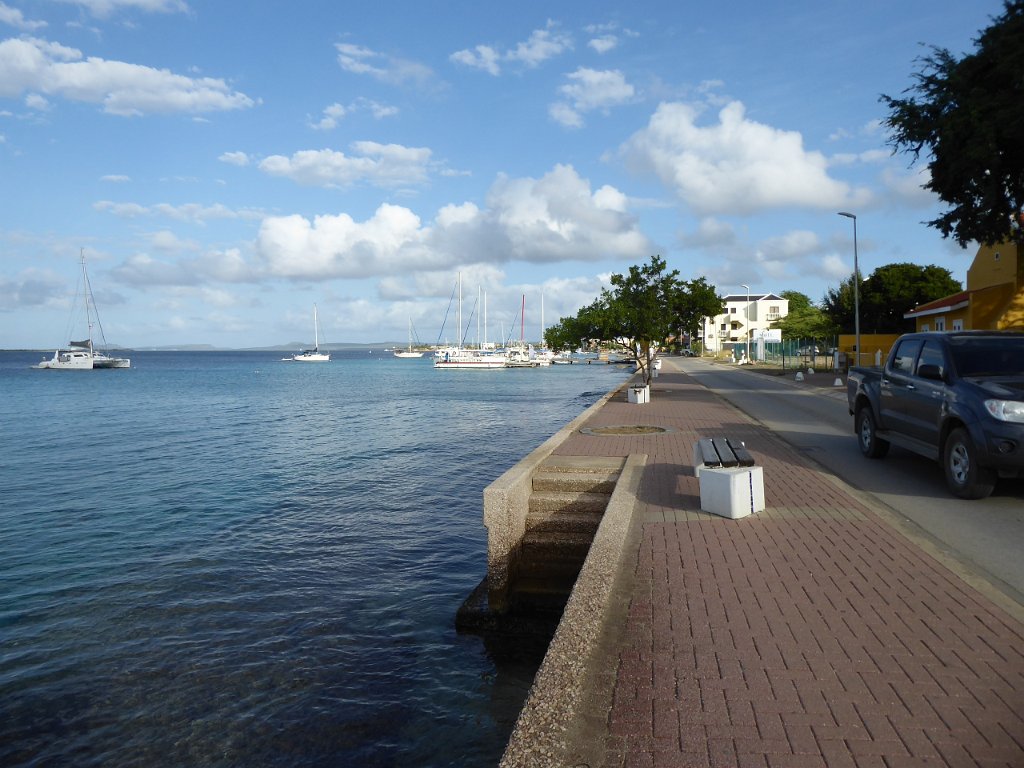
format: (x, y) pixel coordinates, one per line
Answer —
(968, 116)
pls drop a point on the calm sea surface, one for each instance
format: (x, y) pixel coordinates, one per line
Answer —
(221, 559)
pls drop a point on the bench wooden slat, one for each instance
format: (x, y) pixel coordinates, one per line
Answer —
(743, 456)
(725, 452)
(709, 455)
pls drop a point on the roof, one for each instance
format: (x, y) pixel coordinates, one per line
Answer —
(753, 297)
(940, 306)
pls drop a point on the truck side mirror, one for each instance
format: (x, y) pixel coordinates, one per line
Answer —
(928, 371)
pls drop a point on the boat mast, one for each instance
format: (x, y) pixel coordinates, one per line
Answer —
(86, 297)
(316, 333)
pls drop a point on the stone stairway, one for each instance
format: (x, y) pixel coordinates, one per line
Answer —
(568, 498)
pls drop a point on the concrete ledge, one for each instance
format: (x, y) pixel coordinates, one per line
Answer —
(555, 700)
(506, 503)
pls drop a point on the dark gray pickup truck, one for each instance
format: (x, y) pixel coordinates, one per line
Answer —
(957, 398)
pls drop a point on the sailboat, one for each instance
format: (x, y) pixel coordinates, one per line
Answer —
(464, 358)
(410, 352)
(83, 355)
(313, 355)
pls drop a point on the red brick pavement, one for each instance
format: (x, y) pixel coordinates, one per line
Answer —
(811, 634)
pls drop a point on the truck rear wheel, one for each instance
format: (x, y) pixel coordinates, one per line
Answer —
(871, 445)
(964, 476)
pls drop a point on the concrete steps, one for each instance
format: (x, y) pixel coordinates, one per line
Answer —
(568, 499)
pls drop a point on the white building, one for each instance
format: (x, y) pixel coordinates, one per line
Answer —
(742, 320)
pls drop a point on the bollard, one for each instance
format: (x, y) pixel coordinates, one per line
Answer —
(799, 376)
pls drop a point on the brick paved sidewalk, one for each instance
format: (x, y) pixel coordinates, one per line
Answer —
(811, 634)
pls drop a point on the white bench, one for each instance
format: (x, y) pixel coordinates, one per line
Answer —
(731, 485)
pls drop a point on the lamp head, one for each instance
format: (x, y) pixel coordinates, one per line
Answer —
(847, 215)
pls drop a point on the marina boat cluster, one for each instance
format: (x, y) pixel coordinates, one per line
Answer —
(514, 356)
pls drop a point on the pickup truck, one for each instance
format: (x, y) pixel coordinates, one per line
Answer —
(957, 398)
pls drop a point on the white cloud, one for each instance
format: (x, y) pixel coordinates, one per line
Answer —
(29, 64)
(13, 17)
(908, 187)
(338, 246)
(792, 245)
(383, 165)
(565, 115)
(235, 158)
(143, 270)
(590, 89)
(481, 57)
(388, 69)
(333, 114)
(604, 43)
(833, 268)
(736, 166)
(36, 102)
(711, 234)
(102, 8)
(116, 178)
(190, 212)
(551, 219)
(543, 44)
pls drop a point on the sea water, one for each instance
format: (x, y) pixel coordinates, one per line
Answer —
(223, 559)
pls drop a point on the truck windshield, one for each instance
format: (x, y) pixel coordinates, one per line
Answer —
(973, 357)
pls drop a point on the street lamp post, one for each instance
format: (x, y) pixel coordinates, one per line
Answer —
(856, 285)
(746, 320)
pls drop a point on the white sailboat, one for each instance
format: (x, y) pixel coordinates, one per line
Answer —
(410, 352)
(463, 358)
(83, 355)
(313, 355)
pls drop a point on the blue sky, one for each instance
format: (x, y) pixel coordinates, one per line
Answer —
(226, 165)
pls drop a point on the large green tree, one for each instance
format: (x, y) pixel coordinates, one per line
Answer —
(888, 293)
(639, 312)
(804, 320)
(967, 116)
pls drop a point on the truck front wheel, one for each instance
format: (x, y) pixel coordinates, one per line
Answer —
(964, 476)
(871, 445)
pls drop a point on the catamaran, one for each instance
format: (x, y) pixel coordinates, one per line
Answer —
(83, 355)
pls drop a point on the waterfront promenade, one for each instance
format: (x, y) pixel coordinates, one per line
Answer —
(819, 632)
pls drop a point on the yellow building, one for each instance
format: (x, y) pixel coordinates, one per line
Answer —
(994, 299)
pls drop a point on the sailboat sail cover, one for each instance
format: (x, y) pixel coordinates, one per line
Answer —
(84, 344)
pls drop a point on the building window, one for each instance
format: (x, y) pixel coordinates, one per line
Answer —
(925, 327)
(958, 325)
(940, 324)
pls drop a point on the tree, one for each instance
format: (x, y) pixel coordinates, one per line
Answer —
(697, 299)
(797, 301)
(888, 293)
(639, 312)
(804, 320)
(968, 115)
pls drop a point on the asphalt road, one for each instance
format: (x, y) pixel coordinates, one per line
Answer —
(986, 536)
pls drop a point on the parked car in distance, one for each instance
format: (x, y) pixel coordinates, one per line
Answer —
(957, 398)
(809, 351)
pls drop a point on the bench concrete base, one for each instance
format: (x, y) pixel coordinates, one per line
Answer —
(734, 493)
(639, 394)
